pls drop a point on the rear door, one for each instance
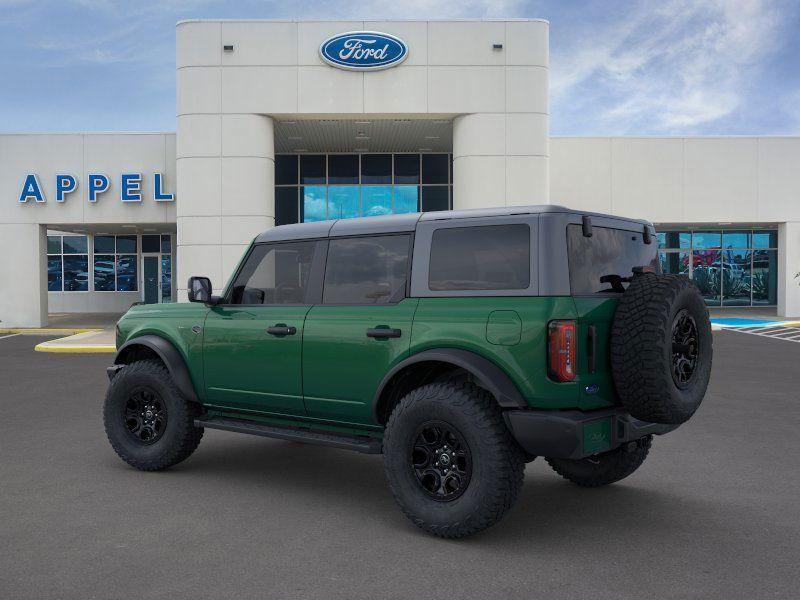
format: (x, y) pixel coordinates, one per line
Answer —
(252, 345)
(362, 327)
(598, 264)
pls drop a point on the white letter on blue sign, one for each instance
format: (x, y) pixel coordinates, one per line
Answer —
(31, 189)
(158, 195)
(65, 184)
(97, 185)
(131, 188)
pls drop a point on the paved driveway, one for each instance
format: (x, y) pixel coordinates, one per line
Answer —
(713, 513)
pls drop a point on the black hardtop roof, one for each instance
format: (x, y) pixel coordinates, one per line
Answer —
(407, 222)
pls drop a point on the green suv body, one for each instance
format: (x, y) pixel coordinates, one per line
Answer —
(414, 335)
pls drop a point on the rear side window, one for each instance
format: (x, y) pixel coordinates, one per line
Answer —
(490, 257)
(367, 270)
(274, 274)
(598, 264)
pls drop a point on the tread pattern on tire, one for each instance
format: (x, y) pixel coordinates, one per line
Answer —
(609, 468)
(507, 460)
(639, 335)
(183, 412)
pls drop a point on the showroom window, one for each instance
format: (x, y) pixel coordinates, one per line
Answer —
(316, 187)
(67, 263)
(731, 267)
(115, 264)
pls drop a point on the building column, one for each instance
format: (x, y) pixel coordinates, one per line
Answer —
(226, 184)
(500, 160)
(788, 266)
(23, 273)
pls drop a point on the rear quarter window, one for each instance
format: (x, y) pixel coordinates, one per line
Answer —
(490, 257)
(595, 260)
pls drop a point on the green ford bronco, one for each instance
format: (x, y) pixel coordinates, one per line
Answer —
(460, 345)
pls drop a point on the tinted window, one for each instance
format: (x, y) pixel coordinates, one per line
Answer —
(608, 253)
(312, 168)
(285, 169)
(434, 197)
(104, 244)
(369, 270)
(274, 274)
(126, 244)
(434, 168)
(492, 257)
(406, 168)
(75, 244)
(376, 168)
(343, 168)
(285, 205)
(151, 243)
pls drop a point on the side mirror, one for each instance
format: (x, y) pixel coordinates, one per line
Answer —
(199, 289)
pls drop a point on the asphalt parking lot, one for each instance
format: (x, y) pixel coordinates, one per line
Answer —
(713, 513)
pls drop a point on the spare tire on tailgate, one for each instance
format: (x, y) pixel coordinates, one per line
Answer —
(661, 348)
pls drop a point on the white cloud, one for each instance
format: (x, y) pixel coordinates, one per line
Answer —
(669, 66)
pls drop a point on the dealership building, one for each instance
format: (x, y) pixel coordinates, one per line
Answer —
(290, 121)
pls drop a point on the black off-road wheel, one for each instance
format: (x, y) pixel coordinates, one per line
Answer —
(450, 460)
(600, 470)
(661, 348)
(149, 423)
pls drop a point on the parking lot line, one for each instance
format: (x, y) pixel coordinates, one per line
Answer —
(2, 337)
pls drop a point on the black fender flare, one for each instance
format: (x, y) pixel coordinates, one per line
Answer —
(493, 378)
(170, 356)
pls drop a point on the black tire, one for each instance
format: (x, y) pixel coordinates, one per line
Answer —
(496, 462)
(596, 471)
(660, 371)
(172, 434)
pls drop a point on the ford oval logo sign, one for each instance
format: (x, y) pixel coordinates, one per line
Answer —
(363, 50)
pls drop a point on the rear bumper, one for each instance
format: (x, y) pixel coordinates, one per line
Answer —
(575, 434)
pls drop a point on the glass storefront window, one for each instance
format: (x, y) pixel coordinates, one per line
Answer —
(104, 244)
(286, 169)
(126, 274)
(343, 201)
(313, 203)
(435, 197)
(286, 206)
(406, 168)
(736, 278)
(151, 243)
(742, 273)
(54, 276)
(166, 278)
(54, 244)
(312, 168)
(356, 185)
(75, 244)
(104, 273)
(166, 244)
(434, 168)
(736, 239)
(376, 168)
(765, 239)
(126, 244)
(707, 239)
(376, 200)
(765, 277)
(406, 199)
(76, 273)
(676, 263)
(343, 168)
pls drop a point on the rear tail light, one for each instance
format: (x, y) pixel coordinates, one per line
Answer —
(561, 350)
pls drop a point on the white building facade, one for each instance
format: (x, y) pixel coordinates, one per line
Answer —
(287, 121)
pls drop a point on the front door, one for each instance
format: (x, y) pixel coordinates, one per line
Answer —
(360, 330)
(253, 340)
(150, 275)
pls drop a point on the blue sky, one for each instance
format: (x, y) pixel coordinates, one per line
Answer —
(670, 67)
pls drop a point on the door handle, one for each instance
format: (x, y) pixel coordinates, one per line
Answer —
(281, 329)
(383, 332)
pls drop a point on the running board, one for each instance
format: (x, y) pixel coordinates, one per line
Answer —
(358, 443)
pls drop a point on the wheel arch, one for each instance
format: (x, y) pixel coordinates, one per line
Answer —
(146, 346)
(430, 364)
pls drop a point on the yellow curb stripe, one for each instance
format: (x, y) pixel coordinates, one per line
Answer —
(63, 349)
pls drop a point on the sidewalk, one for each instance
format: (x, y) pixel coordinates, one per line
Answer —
(84, 333)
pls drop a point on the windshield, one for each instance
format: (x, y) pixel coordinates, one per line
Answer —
(604, 262)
